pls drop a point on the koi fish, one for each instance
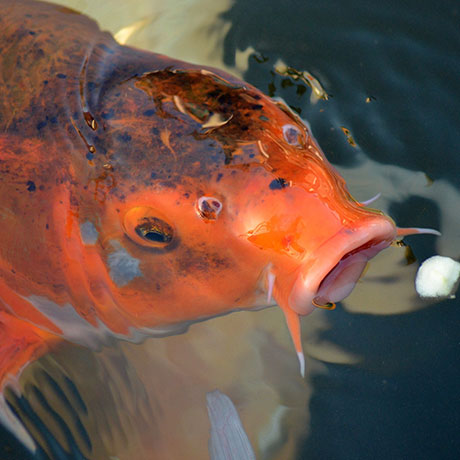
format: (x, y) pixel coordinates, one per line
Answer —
(140, 194)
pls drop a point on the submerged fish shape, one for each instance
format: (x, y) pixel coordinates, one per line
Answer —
(139, 194)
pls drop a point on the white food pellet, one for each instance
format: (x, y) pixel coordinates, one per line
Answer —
(437, 277)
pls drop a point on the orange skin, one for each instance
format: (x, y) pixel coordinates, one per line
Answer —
(100, 143)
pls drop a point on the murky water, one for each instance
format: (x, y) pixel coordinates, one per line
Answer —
(382, 369)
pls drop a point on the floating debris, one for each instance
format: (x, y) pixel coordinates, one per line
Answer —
(260, 58)
(347, 133)
(317, 90)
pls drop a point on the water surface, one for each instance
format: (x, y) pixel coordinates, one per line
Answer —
(382, 369)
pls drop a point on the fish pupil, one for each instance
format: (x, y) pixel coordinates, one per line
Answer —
(155, 230)
(156, 237)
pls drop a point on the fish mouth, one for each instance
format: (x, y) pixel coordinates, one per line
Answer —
(324, 280)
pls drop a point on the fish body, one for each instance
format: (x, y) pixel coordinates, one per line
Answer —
(139, 194)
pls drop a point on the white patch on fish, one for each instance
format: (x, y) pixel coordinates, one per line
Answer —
(123, 266)
(88, 232)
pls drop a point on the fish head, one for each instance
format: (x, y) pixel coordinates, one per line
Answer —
(220, 197)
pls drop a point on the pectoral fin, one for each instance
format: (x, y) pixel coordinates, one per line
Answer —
(20, 344)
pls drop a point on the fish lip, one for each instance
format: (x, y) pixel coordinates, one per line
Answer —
(372, 236)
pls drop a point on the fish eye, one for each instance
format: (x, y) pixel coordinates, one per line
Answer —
(155, 230)
(293, 135)
(146, 227)
(208, 207)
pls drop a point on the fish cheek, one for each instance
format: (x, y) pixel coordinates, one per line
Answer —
(159, 277)
(201, 262)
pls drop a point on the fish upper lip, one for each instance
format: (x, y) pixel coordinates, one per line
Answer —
(320, 272)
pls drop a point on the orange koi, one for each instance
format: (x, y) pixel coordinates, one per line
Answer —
(140, 194)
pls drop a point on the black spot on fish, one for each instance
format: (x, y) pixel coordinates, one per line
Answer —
(61, 75)
(219, 177)
(89, 156)
(213, 94)
(223, 99)
(278, 184)
(257, 107)
(149, 113)
(31, 32)
(41, 125)
(31, 186)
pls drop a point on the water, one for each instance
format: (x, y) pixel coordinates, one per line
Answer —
(382, 369)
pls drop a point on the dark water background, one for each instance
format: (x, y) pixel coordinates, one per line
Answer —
(407, 56)
(403, 399)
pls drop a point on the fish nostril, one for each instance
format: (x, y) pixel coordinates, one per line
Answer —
(208, 207)
(293, 135)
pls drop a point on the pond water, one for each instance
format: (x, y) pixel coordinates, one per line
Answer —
(383, 372)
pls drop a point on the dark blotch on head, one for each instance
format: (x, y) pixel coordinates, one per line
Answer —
(257, 107)
(278, 184)
(108, 115)
(125, 137)
(31, 186)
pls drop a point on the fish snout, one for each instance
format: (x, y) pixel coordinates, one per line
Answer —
(329, 273)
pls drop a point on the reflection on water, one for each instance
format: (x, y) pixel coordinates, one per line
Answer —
(382, 380)
(177, 28)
